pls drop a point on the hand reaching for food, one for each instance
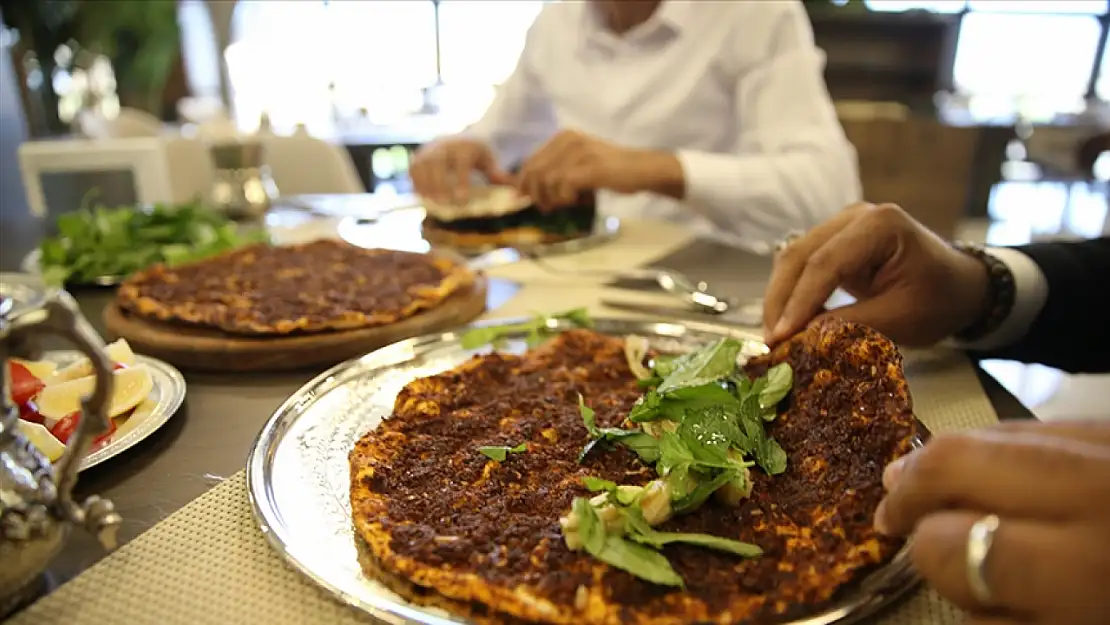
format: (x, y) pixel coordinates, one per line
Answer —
(910, 285)
(1011, 523)
(441, 171)
(572, 163)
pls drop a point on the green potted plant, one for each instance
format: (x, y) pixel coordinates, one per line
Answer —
(139, 37)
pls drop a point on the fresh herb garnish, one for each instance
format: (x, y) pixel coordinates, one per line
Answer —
(640, 531)
(537, 329)
(101, 241)
(500, 453)
(643, 445)
(706, 365)
(779, 381)
(618, 552)
(704, 426)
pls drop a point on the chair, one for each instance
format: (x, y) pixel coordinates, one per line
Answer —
(128, 124)
(919, 163)
(305, 165)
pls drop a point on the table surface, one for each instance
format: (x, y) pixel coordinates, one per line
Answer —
(210, 437)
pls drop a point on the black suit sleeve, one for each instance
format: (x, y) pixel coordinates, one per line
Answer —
(1072, 331)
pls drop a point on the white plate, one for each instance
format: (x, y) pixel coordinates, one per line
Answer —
(163, 402)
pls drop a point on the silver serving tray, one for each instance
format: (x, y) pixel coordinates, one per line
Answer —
(298, 476)
(163, 402)
(401, 228)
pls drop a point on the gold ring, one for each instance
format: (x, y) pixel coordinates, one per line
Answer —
(979, 541)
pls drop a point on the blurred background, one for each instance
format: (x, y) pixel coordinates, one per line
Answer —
(990, 118)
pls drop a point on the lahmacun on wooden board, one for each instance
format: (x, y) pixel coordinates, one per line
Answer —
(320, 286)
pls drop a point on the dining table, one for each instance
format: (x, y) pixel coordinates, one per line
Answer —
(201, 452)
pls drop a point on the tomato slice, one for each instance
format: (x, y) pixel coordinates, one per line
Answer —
(116, 366)
(29, 412)
(67, 425)
(24, 384)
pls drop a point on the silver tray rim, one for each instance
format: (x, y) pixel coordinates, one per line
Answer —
(877, 590)
(168, 382)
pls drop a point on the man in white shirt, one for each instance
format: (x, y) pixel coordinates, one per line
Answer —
(711, 113)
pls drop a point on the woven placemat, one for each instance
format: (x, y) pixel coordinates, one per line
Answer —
(208, 563)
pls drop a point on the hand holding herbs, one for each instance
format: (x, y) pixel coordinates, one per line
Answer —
(702, 423)
(101, 241)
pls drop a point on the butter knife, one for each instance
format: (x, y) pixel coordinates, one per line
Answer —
(747, 315)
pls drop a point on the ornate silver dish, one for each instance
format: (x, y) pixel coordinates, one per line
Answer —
(298, 476)
(165, 399)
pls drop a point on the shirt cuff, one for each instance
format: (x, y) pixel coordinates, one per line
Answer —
(1030, 293)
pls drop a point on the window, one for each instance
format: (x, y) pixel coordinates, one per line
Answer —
(900, 6)
(1035, 61)
(480, 40)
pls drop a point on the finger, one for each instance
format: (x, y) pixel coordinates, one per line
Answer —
(489, 168)
(854, 251)
(419, 179)
(1017, 475)
(789, 263)
(461, 166)
(1023, 569)
(890, 313)
(436, 175)
(572, 180)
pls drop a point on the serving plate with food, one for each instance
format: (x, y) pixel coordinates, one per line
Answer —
(497, 217)
(595, 472)
(101, 246)
(265, 307)
(48, 392)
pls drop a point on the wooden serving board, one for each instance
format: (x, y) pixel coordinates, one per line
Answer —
(200, 349)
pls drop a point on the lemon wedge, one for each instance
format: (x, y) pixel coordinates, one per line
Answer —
(41, 369)
(132, 386)
(41, 438)
(119, 351)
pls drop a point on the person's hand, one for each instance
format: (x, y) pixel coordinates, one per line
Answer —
(441, 170)
(1049, 485)
(908, 283)
(572, 163)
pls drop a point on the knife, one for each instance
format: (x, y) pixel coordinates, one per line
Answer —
(748, 315)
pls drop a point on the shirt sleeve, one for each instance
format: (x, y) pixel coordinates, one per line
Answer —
(1030, 293)
(521, 116)
(794, 167)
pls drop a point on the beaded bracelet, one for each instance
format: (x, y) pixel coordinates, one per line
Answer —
(1001, 293)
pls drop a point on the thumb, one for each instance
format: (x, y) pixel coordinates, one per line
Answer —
(889, 315)
(496, 175)
(488, 167)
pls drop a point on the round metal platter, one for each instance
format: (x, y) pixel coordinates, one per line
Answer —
(298, 476)
(162, 403)
(401, 229)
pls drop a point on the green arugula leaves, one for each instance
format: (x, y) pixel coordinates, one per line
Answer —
(537, 330)
(643, 445)
(618, 552)
(101, 241)
(707, 365)
(635, 547)
(500, 453)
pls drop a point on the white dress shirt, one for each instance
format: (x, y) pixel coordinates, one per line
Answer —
(1030, 293)
(734, 89)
